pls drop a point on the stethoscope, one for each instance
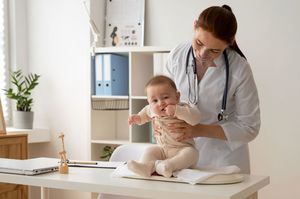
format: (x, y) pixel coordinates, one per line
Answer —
(194, 99)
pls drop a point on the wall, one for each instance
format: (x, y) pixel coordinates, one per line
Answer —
(58, 50)
(58, 41)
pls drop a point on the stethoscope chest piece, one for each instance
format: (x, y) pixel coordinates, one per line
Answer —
(222, 116)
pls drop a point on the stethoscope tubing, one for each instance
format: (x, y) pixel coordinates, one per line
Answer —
(222, 114)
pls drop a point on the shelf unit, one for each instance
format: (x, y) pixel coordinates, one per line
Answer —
(110, 127)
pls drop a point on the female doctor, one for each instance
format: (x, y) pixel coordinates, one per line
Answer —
(212, 73)
(230, 116)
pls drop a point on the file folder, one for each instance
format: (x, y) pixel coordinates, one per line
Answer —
(98, 75)
(111, 74)
(93, 78)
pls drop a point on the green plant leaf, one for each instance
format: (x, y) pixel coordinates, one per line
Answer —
(106, 152)
(24, 86)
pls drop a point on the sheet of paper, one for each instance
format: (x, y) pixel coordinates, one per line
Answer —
(95, 164)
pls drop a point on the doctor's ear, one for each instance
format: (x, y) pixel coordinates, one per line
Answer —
(195, 24)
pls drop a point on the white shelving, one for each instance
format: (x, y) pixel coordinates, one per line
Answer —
(139, 97)
(109, 97)
(144, 49)
(111, 127)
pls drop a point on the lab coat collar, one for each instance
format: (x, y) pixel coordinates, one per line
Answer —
(219, 61)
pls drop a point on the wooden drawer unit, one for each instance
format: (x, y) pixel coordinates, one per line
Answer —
(15, 147)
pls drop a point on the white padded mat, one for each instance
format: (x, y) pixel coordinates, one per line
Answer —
(200, 176)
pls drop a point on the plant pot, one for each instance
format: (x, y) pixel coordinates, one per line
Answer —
(22, 119)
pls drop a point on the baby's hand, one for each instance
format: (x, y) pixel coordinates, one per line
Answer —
(134, 119)
(170, 110)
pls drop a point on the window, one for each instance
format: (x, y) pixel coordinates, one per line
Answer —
(4, 57)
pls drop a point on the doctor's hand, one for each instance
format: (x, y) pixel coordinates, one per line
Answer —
(182, 130)
(186, 131)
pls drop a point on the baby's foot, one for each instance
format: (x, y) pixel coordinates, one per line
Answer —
(140, 168)
(163, 169)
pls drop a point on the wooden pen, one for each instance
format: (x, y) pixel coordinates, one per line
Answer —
(80, 162)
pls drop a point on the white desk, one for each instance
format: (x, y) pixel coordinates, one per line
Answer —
(100, 181)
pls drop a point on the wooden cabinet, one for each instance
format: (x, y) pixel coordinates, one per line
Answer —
(15, 147)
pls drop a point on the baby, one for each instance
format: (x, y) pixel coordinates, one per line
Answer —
(164, 108)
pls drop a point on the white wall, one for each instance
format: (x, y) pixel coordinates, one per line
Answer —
(58, 41)
(58, 50)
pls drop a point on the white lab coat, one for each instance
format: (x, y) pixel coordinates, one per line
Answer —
(242, 105)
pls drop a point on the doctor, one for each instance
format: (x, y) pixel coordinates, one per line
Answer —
(230, 108)
(212, 73)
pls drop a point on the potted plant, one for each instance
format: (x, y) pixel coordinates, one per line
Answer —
(24, 85)
(107, 152)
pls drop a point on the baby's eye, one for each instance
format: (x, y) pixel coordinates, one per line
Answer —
(154, 101)
(166, 97)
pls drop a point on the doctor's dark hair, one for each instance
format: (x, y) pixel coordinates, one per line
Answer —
(161, 79)
(221, 22)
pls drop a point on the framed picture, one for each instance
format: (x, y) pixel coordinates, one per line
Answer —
(124, 23)
(2, 121)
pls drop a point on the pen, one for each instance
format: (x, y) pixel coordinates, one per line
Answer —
(75, 162)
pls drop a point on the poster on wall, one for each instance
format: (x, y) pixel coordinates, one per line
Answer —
(124, 25)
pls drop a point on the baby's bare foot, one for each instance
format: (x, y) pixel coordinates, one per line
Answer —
(163, 169)
(140, 168)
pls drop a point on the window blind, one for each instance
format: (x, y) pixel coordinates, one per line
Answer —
(4, 68)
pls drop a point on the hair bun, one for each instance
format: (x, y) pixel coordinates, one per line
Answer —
(227, 7)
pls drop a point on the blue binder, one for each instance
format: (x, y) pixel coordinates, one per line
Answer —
(111, 74)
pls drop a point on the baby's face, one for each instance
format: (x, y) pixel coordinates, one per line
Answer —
(160, 96)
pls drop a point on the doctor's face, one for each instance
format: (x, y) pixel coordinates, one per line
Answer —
(160, 96)
(206, 46)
